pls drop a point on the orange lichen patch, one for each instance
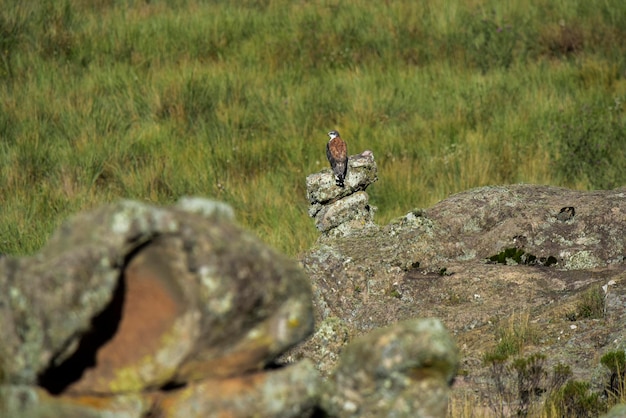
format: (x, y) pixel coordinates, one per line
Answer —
(152, 303)
(293, 388)
(214, 391)
(84, 406)
(95, 402)
(243, 358)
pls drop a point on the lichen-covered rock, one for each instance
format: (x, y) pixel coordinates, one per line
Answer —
(134, 310)
(351, 212)
(403, 370)
(35, 402)
(131, 298)
(484, 261)
(331, 335)
(343, 209)
(321, 187)
(488, 220)
(283, 393)
(48, 301)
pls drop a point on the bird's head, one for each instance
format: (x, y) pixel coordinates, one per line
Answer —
(333, 134)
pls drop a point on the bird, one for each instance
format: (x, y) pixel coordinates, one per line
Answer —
(337, 154)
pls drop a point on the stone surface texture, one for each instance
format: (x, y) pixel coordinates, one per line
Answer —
(402, 370)
(486, 262)
(340, 210)
(134, 310)
(131, 304)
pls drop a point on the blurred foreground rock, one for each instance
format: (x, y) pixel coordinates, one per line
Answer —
(136, 311)
(618, 411)
(132, 303)
(338, 210)
(404, 370)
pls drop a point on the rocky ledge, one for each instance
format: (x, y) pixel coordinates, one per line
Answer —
(536, 267)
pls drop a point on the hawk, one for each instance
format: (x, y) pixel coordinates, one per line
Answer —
(337, 153)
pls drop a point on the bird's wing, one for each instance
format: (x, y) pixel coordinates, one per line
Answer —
(329, 155)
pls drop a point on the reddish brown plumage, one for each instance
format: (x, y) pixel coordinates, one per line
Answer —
(337, 153)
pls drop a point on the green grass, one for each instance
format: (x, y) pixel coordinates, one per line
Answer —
(512, 336)
(155, 100)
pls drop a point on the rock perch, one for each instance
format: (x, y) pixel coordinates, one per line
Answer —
(338, 210)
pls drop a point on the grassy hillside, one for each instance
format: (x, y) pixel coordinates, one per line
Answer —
(102, 100)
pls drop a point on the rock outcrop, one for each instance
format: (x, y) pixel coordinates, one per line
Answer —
(137, 311)
(403, 370)
(134, 310)
(486, 262)
(131, 309)
(338, 210)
